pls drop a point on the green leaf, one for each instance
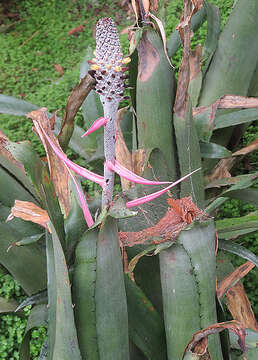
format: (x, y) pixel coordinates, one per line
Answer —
(39, 298)
(27, 264)
(7, 306)
(214, 151)
(37, 317)
(84, 288)
(92, 108)
(239, 250)
(188, 149)
(84, 147)
(213, 32)
(111, 307)
(188, 287)
(13, 189)
(235, 118)
(231, 228)
(155, 92)
(245, 195)
(146, 328)
(63, 343)
(231, 70)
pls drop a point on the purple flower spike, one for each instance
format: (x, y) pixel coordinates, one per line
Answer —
(154, 195)
(96, 125)
(76, 168)
(129, 175)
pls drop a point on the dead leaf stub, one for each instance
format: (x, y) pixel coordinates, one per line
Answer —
(179, 215)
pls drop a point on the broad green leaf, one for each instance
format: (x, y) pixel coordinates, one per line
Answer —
(63, 343)
(146, 328)
(26, 264)
(231, 228)
(188, 308)
(155, 92)
(188, 149)
(235, 118)
(214, 151)
(245, 195)
(83, 291)
(213, 32)
(7, 306)
(239, 250)
(231, 70)
(27, 156)
(13, 189)
(37, 317)
(39, 298)
(174, 42)
(84, 147)
(111, 307)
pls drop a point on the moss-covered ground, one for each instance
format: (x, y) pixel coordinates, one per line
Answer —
(40, 63)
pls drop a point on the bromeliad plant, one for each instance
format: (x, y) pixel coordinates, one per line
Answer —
(123, 304)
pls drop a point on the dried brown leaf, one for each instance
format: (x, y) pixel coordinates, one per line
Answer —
(198, 343)
(58, 171)
(195, 61)
(184, 29)
(229, 102)
(76, 30)
(240, 308)
(247, 149)
(139, 159)
(221, 170)
(29, 212)
(179, 215)
(148, 58)
(232, 278)
(123, 155)
(59, 69)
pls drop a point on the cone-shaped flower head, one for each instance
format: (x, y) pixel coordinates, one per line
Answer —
(108, 64)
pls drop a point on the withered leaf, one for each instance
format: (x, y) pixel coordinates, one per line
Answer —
(58, 171)
(28, 211)
(232, 278)
(247, 149)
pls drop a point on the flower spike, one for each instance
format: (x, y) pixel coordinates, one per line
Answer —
(129, 175)
(76, 168)
(96, 125)
(154, 195)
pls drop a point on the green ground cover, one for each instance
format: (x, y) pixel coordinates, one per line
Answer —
(33, 42)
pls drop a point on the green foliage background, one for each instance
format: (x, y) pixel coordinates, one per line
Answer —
(31, 45)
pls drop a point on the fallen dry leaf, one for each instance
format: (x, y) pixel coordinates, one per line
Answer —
(28, 211)
(76, 30)
(221, 170)
(59, 69)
